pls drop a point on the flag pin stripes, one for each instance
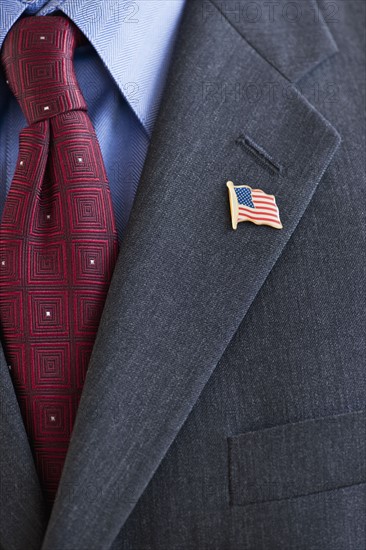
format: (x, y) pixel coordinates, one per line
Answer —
(252, 205)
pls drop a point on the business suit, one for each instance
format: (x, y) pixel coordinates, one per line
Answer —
(224, 404)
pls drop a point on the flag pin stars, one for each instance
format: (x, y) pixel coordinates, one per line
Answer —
(252, 205)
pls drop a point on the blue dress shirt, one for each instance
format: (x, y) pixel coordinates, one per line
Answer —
(121, 72)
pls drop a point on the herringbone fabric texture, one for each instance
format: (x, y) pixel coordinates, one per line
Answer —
(58, 240)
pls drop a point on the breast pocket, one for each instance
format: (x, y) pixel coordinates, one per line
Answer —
(297, 459)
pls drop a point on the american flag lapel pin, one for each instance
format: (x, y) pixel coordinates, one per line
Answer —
(252, 205)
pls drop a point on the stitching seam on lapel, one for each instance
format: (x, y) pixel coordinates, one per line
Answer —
(225, 18)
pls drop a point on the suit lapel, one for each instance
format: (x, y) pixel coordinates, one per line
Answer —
(184, 280)
(22, 515)
(291, 36)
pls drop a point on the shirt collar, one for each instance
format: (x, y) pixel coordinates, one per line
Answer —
(134, 39)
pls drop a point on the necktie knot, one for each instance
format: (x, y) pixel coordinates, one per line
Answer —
(38, 59)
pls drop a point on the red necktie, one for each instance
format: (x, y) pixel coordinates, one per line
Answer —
(58, 239)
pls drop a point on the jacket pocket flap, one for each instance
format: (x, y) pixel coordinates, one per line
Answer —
(298, 459)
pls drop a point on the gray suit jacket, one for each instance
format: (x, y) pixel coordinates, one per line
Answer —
(224, 405)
